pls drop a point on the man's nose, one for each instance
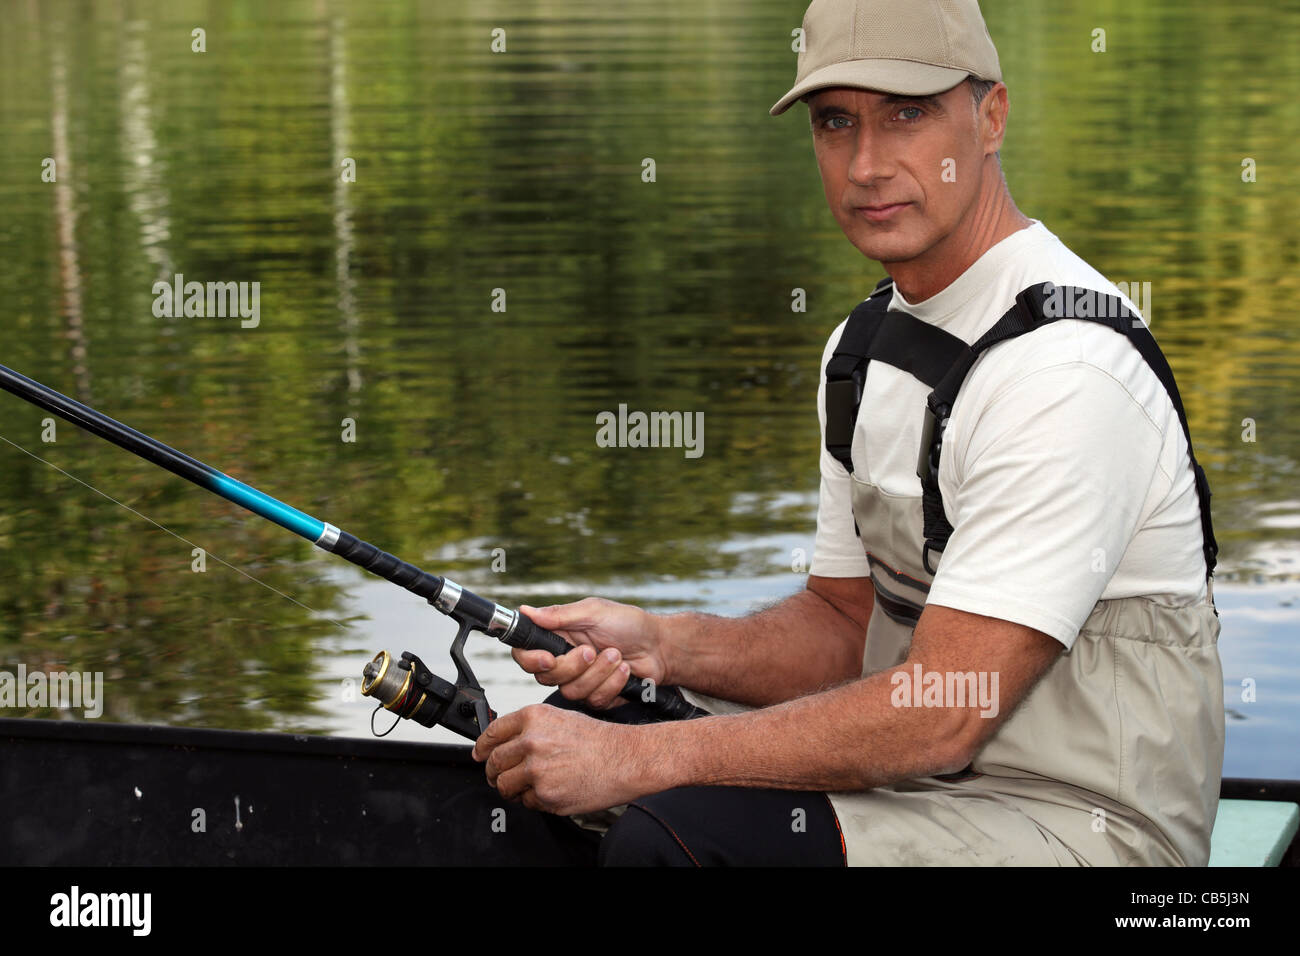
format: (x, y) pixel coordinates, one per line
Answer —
(870, 161)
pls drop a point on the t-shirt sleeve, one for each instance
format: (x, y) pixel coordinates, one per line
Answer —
(837, 552)
(1045, 492)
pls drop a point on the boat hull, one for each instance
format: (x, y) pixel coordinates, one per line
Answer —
(99, 794)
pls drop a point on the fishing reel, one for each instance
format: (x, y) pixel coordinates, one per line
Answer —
(410, 690)
(413, 692)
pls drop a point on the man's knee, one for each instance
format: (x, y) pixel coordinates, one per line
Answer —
(639, 838)
(725, 826)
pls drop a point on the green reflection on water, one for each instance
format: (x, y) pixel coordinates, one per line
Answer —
(522, 171)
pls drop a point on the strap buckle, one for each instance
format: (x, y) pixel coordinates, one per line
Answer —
(843, 398)
(925, 557)
(1034, 311)
(932, 428)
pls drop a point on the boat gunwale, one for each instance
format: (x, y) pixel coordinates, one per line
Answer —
(161, 735)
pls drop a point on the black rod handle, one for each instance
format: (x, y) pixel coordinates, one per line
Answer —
(390, 568)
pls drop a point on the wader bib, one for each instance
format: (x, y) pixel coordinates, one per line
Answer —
(1115, 756)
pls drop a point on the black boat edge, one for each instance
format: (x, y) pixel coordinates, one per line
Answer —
(88, 793)
(101, 794)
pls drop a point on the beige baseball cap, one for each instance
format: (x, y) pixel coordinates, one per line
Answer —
(905, 47)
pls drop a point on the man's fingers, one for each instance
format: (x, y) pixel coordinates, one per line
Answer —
(513, 783)
(534, 662)
(575, 616)
(498, 732)
(608, 692)
(564, 668)
(592, 677)
(502, 758)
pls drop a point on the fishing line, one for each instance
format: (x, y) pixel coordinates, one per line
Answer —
(214, 557)
(397, 719)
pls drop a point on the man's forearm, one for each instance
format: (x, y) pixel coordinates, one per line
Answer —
(847, 738)
(800, 646)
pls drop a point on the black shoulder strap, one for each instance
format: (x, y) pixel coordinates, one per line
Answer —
(1035, 307)
(896, 338)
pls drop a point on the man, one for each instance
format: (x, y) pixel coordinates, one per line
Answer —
(1071, 601)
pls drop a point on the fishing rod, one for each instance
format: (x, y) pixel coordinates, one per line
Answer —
(406, 686)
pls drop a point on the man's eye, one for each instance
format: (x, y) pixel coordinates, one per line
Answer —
(830, 123)
(912, 109)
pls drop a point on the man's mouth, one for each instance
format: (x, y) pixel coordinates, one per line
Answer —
(882, 212)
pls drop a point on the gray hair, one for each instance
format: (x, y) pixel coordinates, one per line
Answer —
(979, 88)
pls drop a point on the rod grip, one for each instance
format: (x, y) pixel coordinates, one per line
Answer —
(667, 702)
(366, 555)
(528, 636)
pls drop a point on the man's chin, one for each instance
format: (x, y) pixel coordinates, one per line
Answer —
(886, 247)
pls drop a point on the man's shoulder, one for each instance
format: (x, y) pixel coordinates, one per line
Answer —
(1077, 291)
(832, 341)
(1055, 264)
(1062, 364)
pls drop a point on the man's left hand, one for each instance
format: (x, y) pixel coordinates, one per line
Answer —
(561, 761)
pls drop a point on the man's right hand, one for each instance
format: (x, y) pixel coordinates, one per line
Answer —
(610, 641)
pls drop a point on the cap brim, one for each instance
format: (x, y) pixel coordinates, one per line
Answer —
(900, 77)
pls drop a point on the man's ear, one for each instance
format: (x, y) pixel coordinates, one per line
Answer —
(993, 112)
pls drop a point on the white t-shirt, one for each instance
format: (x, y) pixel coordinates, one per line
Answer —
(1064, 471)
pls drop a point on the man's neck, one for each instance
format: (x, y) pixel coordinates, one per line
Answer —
(919, 279)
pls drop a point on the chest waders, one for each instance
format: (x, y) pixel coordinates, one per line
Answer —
(1118, 750)
(1115, 756)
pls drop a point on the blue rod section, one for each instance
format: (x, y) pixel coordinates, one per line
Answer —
(270, 508)
(324, 536)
